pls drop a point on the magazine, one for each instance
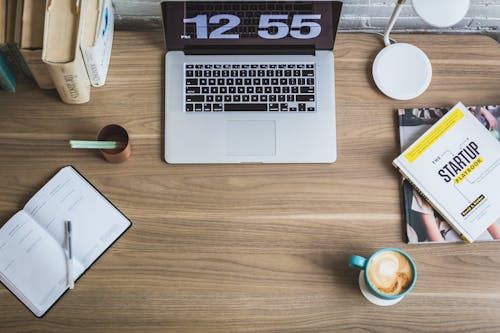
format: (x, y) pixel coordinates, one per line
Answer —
(423, 223)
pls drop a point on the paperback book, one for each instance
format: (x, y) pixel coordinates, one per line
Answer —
(438, 161)
(97, 40)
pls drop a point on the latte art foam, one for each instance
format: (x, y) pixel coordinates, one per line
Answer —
(390, 272)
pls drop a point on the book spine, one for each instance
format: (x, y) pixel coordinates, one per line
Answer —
(420, 191)
(92, 70)
(38, 68)
(70, 77)
(406, 205)
(71, 80)
(7, 80)
(98, 56)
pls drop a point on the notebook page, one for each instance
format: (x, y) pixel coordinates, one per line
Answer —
(96, 224)
(32, 264)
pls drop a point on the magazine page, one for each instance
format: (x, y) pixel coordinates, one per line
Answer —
(423, 223)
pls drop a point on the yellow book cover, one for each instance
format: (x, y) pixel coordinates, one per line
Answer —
(64, 20)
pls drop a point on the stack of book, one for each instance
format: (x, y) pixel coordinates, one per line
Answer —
(61, 44)
(451, 166)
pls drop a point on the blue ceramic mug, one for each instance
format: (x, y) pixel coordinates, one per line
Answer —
(395, 259)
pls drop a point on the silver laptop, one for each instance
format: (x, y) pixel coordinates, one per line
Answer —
(250, 82)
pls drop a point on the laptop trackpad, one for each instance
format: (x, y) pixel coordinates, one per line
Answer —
(250, 137)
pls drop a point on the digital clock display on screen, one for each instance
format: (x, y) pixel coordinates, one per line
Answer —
(250, 23)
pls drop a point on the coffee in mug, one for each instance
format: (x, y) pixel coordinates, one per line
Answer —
(387, 275)
(390, 272)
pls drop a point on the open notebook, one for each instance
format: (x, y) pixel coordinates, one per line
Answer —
(32, 242)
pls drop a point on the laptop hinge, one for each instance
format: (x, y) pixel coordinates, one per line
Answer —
(249, 49)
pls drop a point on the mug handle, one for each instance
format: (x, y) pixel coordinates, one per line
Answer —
(357, 261)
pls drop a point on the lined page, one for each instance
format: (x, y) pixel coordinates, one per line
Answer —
(32, 263)
(96, 224)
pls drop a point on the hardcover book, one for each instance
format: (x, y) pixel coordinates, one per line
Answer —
(33, 256)
(64, 21)
(455, 165)
(31, 42)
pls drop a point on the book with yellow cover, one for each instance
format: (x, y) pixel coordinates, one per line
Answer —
(422, 223)
(64, 21)
(456, 166)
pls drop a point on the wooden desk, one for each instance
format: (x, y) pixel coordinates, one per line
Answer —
(250, 248)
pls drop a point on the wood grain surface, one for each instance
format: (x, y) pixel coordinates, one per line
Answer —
(250, 248)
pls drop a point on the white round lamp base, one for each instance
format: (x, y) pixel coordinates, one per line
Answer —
(371, 297)
(402, 71)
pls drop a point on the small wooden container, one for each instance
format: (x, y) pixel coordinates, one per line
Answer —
(115, 133)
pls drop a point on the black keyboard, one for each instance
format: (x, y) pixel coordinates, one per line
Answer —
(270, 87)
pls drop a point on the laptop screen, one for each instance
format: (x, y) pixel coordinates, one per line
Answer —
(231, 24)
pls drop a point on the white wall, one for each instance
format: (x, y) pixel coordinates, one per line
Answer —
(357, 15)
